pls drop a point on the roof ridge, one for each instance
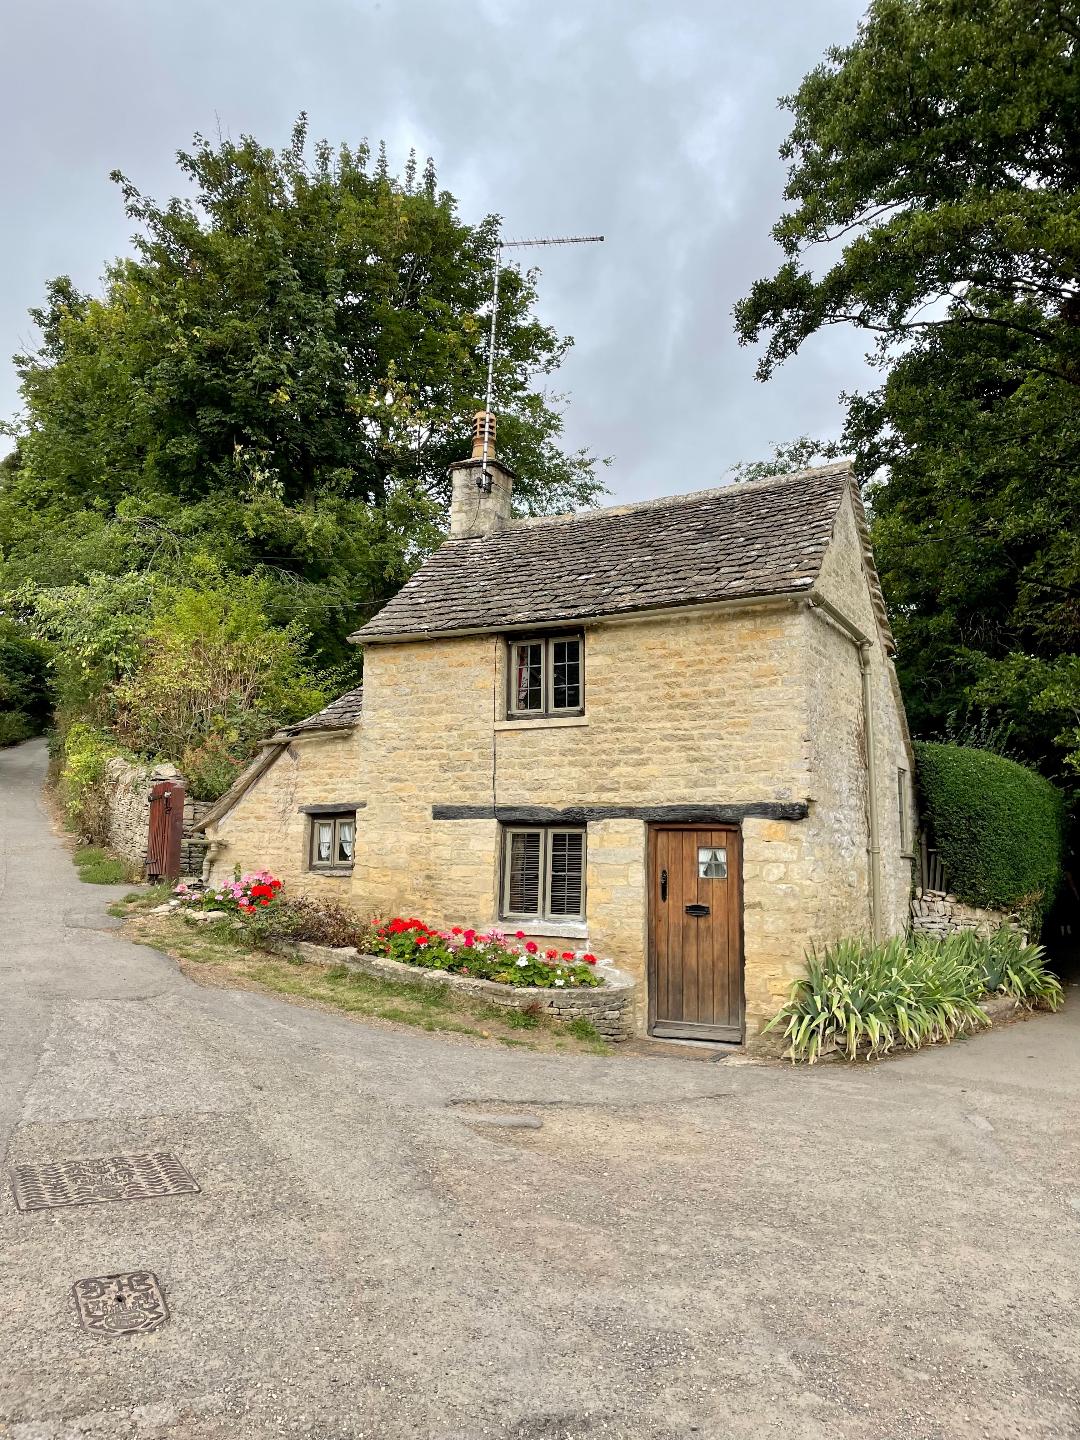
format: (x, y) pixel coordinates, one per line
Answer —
(663, 502)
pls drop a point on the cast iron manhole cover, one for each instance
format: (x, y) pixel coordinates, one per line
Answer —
(115, 1305)
(87, 1182)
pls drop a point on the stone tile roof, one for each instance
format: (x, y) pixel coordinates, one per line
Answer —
(761, 537)
(341, 714)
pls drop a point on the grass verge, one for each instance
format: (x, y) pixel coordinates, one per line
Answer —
(97, 867)
(218, 955)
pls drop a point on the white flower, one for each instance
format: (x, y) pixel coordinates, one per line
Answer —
(522, 963)
(560, 982)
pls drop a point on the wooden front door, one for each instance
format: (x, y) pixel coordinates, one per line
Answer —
(695, 932)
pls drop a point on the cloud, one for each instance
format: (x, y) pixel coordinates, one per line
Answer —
(657, 126)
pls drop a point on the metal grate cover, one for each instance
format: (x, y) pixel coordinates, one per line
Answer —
(114, 1305)
(89, 1182)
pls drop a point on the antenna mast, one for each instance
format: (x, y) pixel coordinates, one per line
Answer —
(484, 478)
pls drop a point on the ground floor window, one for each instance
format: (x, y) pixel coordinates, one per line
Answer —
(333, 841)
(543, 874)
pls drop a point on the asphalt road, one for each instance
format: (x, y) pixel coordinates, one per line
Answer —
(677, 1249)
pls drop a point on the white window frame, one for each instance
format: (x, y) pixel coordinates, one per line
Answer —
(334, 820)
(546, 833)
(547, 675)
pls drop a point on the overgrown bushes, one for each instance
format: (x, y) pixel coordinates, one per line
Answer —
(81, 782)
(862, 998)
(998, 826)
(26, 692)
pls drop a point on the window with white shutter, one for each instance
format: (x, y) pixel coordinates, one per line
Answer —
(544, 874)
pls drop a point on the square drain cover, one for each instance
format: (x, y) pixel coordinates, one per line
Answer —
(115, 1305)
(88, 1182)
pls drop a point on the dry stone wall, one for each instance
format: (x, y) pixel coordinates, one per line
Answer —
(129, 785)
(935, 913)
(609, 1008)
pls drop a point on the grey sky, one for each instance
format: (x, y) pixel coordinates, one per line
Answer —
(656, 124)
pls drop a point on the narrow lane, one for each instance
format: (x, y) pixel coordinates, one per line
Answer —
(679, 1248)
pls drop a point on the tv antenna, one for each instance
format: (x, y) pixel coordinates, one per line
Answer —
(484, 479)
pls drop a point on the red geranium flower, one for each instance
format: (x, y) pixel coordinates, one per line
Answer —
(457, 930)
(589, 959)
(551, 954)
(469, 936)
(568, 954)
(519, 934)
(531, 947)
(421, 939)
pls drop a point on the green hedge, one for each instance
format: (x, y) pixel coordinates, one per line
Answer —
(998, 826)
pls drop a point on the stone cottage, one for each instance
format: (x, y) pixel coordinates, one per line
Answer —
(667, 732)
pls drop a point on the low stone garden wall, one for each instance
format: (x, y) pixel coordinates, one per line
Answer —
(129, 787)
(933, 912)
(608, 1007)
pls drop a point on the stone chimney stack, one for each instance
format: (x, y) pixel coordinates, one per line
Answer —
(482, 490)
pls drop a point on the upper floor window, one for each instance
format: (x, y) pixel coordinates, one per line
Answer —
(547, 676)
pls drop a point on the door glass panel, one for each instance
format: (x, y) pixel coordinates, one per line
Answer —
(566, 674)
(324, 841)
(567, 872)
(529, 676)
(712, 862)
(524, 897)
(346, 830)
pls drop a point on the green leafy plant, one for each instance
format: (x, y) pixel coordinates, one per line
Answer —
(998, 826)
(82, 784)
(866, 999)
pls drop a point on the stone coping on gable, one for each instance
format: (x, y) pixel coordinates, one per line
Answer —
(608, 1007)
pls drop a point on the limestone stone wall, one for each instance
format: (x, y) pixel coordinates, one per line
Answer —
(839, 766)
(609, 1007)
(935, 913)
(129, 785)
(266, 829)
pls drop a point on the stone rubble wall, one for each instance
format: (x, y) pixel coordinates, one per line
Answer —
(933, 912)
(129, 812)
(609, 1008)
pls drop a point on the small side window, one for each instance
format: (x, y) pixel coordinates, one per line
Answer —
(333, 841)
(903, 796)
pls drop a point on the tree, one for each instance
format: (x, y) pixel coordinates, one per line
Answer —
(279, 376)
(934, 168)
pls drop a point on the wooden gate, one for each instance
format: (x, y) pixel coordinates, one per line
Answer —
(166, 831)
(695, 932)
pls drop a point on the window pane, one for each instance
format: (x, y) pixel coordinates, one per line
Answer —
(567, 872)
(566, 674)
(529, 676)
(345, 832)
(712, 862)
(524, 897)
(324, 841)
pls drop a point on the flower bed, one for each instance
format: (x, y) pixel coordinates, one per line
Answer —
(609, 1008)
(491, 955)
(246, 894)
